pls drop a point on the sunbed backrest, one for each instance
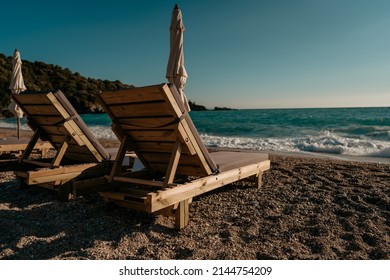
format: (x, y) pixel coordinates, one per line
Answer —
(152, 119)
(56, 119)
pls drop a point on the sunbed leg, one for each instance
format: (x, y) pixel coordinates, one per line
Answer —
(116, 169)
(65, 192)
(30, 145)
(182, 215)
(259, 179)
(61, 152)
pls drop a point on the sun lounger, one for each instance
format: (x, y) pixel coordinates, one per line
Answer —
(153, 123)
(78, 155)
(15, 147)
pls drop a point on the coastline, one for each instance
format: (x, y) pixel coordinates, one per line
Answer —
(308, 208)
(10, 132)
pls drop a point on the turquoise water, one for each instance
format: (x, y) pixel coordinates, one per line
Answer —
(351, 131)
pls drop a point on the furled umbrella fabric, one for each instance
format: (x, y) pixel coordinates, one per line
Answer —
(16, 86)
(176, 72)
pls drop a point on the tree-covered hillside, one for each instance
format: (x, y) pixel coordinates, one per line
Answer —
(39, 76)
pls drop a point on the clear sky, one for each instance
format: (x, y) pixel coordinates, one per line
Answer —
(241, 54)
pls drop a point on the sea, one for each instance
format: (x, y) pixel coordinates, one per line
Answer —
(361, 132)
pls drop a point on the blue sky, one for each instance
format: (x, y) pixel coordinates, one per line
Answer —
(241, 54)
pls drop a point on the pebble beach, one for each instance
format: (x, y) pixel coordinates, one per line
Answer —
(308, 208)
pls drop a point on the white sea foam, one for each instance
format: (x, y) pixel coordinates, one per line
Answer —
(102, 132)
(325, 143)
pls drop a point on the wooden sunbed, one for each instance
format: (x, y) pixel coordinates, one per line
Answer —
(78, 153)
(14, 146)
(153, 123)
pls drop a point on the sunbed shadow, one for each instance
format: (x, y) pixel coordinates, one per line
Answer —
(44, 228)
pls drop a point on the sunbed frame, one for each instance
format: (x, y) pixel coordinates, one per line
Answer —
(153, 123)
(15, 147)
(78, 153)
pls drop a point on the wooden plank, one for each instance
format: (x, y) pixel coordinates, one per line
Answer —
(160, 157)
(32, 99)
(131, 205)
(140, 110)
(188, 139)
(145, 121)
(91, 185)
(53, 178)
(84, 139)
(182, 215)
(185, 191)
(31, 144)
(41, 110)
(172, 166)
(65, 169)
(12, 147)
(259, 179)
(152, 135)
(35, 162)
(119, 159)
(140, 192)
(131, 96)
(170, 100)
(81, 150)
(144, 127)
(57, 139)
(53, 130)
(121, 196)
(138, 181)
(46, 120)
(60, 153)
(80, 157)
(189, 170)
(157, 147)
(73, 130)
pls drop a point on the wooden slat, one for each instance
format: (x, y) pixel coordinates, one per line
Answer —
(60, 153)
(80, 157)
(139, 110)
(185, 191)
(136, 192)
(116, 169)
(58, 140)
(53, 178)
(22, 147)
(146, 121)
(157, 157)
(131, 205)
(38, 163)
(32, 99)
(45, 120)
(156, 146)
(152, 135)
(144, 127)
(74, 149)
(65, 169)
(181, 169)
(92, 185)
(42, 110)
(131, 96)
(173, 162)
(54, 130)
(121, 196)
(138, 181)
(31, 144)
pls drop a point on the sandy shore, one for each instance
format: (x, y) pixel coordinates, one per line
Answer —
(308, 208)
